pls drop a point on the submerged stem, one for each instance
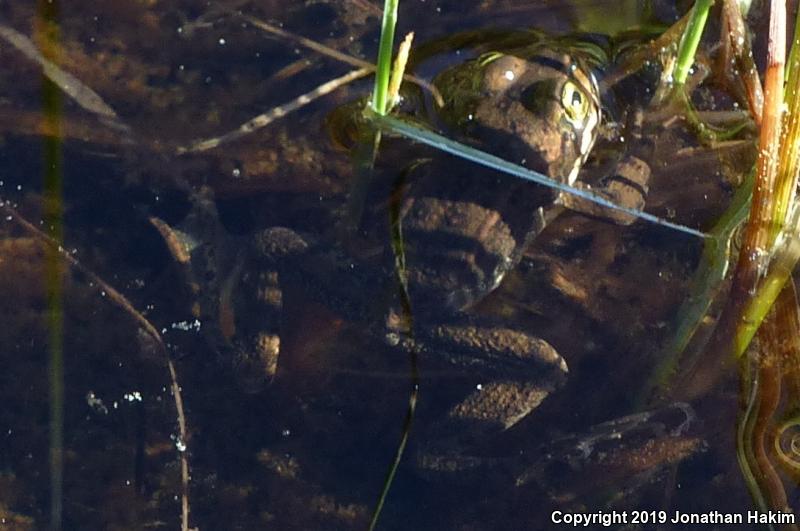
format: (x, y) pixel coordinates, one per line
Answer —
(496, 163)
(690, 41)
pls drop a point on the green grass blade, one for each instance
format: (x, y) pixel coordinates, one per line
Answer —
(690, 41)
(384, 66)
(786, 256)
(705, 284)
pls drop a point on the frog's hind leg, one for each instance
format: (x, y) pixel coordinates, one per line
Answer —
(520, 371)
(254, 289)
(237, 298)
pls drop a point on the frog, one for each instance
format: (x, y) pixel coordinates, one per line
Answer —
(463, 229)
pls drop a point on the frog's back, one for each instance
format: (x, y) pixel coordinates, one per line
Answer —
(463, 230)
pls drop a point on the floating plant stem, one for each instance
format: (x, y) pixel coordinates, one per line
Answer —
(263, 120)
(78, 91)
(496, 163)
(383, 98)
(48, 37)
(330, 52)
(406, 319)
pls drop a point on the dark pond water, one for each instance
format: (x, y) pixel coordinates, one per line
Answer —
(310, 448)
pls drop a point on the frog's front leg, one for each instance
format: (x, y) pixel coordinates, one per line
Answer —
(518, 370)
(626, 186)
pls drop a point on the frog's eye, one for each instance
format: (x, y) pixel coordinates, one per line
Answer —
(575, 102)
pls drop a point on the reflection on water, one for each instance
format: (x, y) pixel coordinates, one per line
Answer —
(309, 448)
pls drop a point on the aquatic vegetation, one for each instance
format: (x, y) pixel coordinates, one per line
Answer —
(689, 42)
(760, 301)
(770, 376)
(380, 95)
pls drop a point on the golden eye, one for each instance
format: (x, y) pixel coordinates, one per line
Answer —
(575, 103)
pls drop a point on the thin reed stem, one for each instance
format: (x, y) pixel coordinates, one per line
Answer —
(380, 100)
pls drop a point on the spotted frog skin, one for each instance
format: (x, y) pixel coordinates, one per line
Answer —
(463, 229)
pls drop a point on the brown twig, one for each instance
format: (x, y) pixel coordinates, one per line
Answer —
(737, 49)
(761, 229)
(81, 93)
(335, 54)
(262, 120)
(120, 300)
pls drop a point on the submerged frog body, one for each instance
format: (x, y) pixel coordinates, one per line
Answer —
(611, 464)
(463, 228)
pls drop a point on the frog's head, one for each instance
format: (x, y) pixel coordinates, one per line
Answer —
(541, 111)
